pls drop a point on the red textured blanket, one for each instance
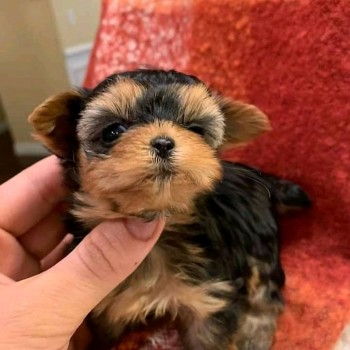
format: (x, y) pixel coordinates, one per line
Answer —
(291, 58)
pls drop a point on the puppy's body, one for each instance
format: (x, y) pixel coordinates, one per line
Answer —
(215, 271)
(144, 144)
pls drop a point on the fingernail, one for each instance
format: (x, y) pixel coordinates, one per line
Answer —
(68, 238)
(141, 230)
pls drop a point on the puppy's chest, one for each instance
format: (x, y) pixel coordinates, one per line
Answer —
(164, 286)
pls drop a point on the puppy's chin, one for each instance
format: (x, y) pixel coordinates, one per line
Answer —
(167, 190)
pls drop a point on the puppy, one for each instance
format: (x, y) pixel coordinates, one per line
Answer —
(144, 144)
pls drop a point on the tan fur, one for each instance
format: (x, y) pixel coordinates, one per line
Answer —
(129, 176)
(243, 122)
(119, 98)
(259, 291)
(155, 288)
(180, 219)
(198, 104)
(254, 280)
(52, 121)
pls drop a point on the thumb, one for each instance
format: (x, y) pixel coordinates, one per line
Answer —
(109, 254)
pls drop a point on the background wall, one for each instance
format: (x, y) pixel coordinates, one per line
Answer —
(76, 20)
(31, 60)
(45, 46)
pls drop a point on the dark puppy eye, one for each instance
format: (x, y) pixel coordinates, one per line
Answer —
(112, 132)
(196, 129)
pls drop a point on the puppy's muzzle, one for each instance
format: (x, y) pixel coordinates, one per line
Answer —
(163, 146)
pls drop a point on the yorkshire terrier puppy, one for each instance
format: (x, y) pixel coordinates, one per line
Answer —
(144, 144)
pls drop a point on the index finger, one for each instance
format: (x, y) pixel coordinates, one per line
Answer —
(30, 196)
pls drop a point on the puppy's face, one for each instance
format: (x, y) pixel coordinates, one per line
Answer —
(145, 141)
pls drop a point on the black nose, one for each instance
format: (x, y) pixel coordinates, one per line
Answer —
(163, 146)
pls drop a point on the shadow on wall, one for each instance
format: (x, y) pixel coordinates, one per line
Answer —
(10, 164)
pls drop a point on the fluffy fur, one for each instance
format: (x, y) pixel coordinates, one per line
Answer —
(144, 144)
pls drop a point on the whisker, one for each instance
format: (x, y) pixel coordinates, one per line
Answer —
(256, 172)
(261, 183)
(75, 166)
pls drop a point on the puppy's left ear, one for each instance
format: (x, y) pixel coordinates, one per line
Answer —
(243, 122)
(55, 122)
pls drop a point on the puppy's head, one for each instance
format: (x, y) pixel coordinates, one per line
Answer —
(144, 142)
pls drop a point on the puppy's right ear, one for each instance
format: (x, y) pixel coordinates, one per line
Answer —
(55, 122)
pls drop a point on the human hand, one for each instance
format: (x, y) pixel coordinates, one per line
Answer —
(43, 299)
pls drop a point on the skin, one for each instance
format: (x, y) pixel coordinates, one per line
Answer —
(44, 296)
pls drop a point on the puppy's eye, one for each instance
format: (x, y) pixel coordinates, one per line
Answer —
(196, 129)
(112, 132)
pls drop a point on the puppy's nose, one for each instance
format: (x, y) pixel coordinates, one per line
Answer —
(163, 146)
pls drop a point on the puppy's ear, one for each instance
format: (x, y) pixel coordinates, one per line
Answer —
(244, 122)
(55, 122)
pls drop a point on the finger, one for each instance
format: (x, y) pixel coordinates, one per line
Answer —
(109, 254)
(44, 237)
(57, 254)
(15, 262)
(5, 281)
(30, 196)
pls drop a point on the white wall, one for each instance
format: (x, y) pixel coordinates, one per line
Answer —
(77, 22)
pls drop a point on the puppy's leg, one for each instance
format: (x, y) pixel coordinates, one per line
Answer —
(257, 323)
(211, 333)
(256, 331)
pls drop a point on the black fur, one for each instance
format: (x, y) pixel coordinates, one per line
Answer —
(147, 77)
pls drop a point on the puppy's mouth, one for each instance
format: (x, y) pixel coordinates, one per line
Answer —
(165, 170)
